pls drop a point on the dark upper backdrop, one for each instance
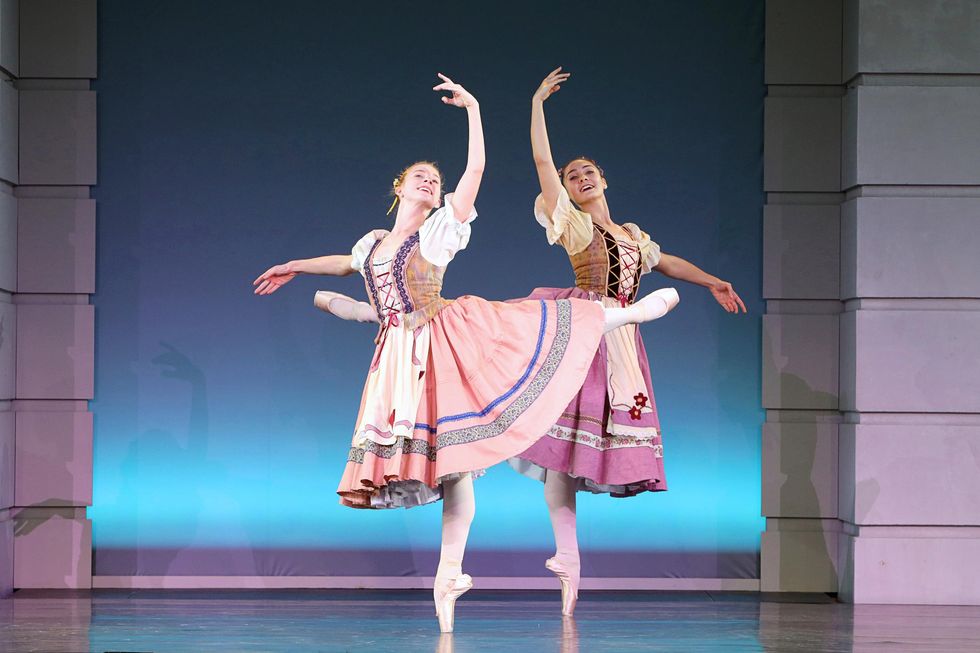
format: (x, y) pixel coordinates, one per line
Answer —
(236, 135)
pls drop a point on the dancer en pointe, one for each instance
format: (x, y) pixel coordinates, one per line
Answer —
(607, 440)
(455, 385)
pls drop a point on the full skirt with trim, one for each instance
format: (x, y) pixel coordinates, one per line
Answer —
(610, 444)
(481, 382)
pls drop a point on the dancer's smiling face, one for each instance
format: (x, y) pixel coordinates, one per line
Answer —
(583, 180)
(422, 183)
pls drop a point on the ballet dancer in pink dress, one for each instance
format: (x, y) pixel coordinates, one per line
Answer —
(607, 440)
(454, 386)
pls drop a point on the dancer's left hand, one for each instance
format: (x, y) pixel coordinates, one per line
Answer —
(725, 295)
(461, 97)
(273, 279)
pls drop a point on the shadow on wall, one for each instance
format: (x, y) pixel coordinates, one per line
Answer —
(806, 558)
(158, 452)
(47, 550)
(26, 522)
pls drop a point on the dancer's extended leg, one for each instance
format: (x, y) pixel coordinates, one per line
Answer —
(559, 494)
(344, 307)
(653, 306)
(458, 508)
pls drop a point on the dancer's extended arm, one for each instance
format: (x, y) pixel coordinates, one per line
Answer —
(677, 268)
(540, 146)
(338, 265)
(469, 184)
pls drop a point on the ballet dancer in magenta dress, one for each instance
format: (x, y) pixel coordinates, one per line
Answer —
(454, 386)
(607, 440)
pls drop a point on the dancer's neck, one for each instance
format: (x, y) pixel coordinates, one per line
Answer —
(409, 218)
(599, 210)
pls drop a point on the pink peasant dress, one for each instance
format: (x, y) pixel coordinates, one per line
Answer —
(608, 436)
(455, 385)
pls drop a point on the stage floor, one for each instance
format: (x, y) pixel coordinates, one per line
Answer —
(404, 621)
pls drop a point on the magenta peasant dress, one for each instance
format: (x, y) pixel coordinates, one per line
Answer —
(608, 436)
(455, 385)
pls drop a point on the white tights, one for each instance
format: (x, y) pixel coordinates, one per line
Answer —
(458, 508)
(653, 306)
(559, 494)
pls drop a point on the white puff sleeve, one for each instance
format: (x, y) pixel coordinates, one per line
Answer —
(649, 250)
(362, 248)
(566, 224)
(442, 235)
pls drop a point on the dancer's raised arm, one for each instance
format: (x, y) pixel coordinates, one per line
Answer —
(338, 265)
(540, 147)
(469, 184)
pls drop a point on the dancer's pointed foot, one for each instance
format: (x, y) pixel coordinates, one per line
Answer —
(657, 304)
(445, 594)
(569, 577)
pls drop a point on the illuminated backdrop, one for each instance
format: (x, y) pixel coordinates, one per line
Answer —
(236, 135)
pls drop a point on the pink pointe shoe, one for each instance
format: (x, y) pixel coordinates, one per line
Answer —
(446, 601)
(569, 585)
(344, 307)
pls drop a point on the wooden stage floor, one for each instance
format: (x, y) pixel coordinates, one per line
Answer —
(379, 621)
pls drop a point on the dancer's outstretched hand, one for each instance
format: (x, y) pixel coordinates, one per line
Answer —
(271, 280)
(550, 84)
(460, 98)
(725, 295)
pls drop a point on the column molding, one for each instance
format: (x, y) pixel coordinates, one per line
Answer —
(55, 276)
(801, 285)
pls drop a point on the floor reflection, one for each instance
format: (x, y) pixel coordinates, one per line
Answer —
(499, 621)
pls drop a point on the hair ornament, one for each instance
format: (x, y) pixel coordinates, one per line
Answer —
(395, 183)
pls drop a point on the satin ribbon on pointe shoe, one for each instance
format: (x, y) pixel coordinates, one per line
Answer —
(446, 603)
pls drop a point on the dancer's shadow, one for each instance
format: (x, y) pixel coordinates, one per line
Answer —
(62, 477)
(159, 470)
(40, 457)
(805, 561)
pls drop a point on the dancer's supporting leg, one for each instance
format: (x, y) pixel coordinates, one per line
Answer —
(559, 488)
(559, 494)
(653, 306)
(458, 508)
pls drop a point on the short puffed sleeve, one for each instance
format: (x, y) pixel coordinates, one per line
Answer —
(362, 248)
(442, 235)
(566, 224)
(649, 250)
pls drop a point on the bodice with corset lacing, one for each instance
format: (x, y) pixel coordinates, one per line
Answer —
(623, 277)
(389, 305)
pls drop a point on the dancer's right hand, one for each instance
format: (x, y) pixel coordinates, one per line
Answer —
(270, 280)
(550, 84)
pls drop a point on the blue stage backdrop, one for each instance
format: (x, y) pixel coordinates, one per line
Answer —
(237, 135)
